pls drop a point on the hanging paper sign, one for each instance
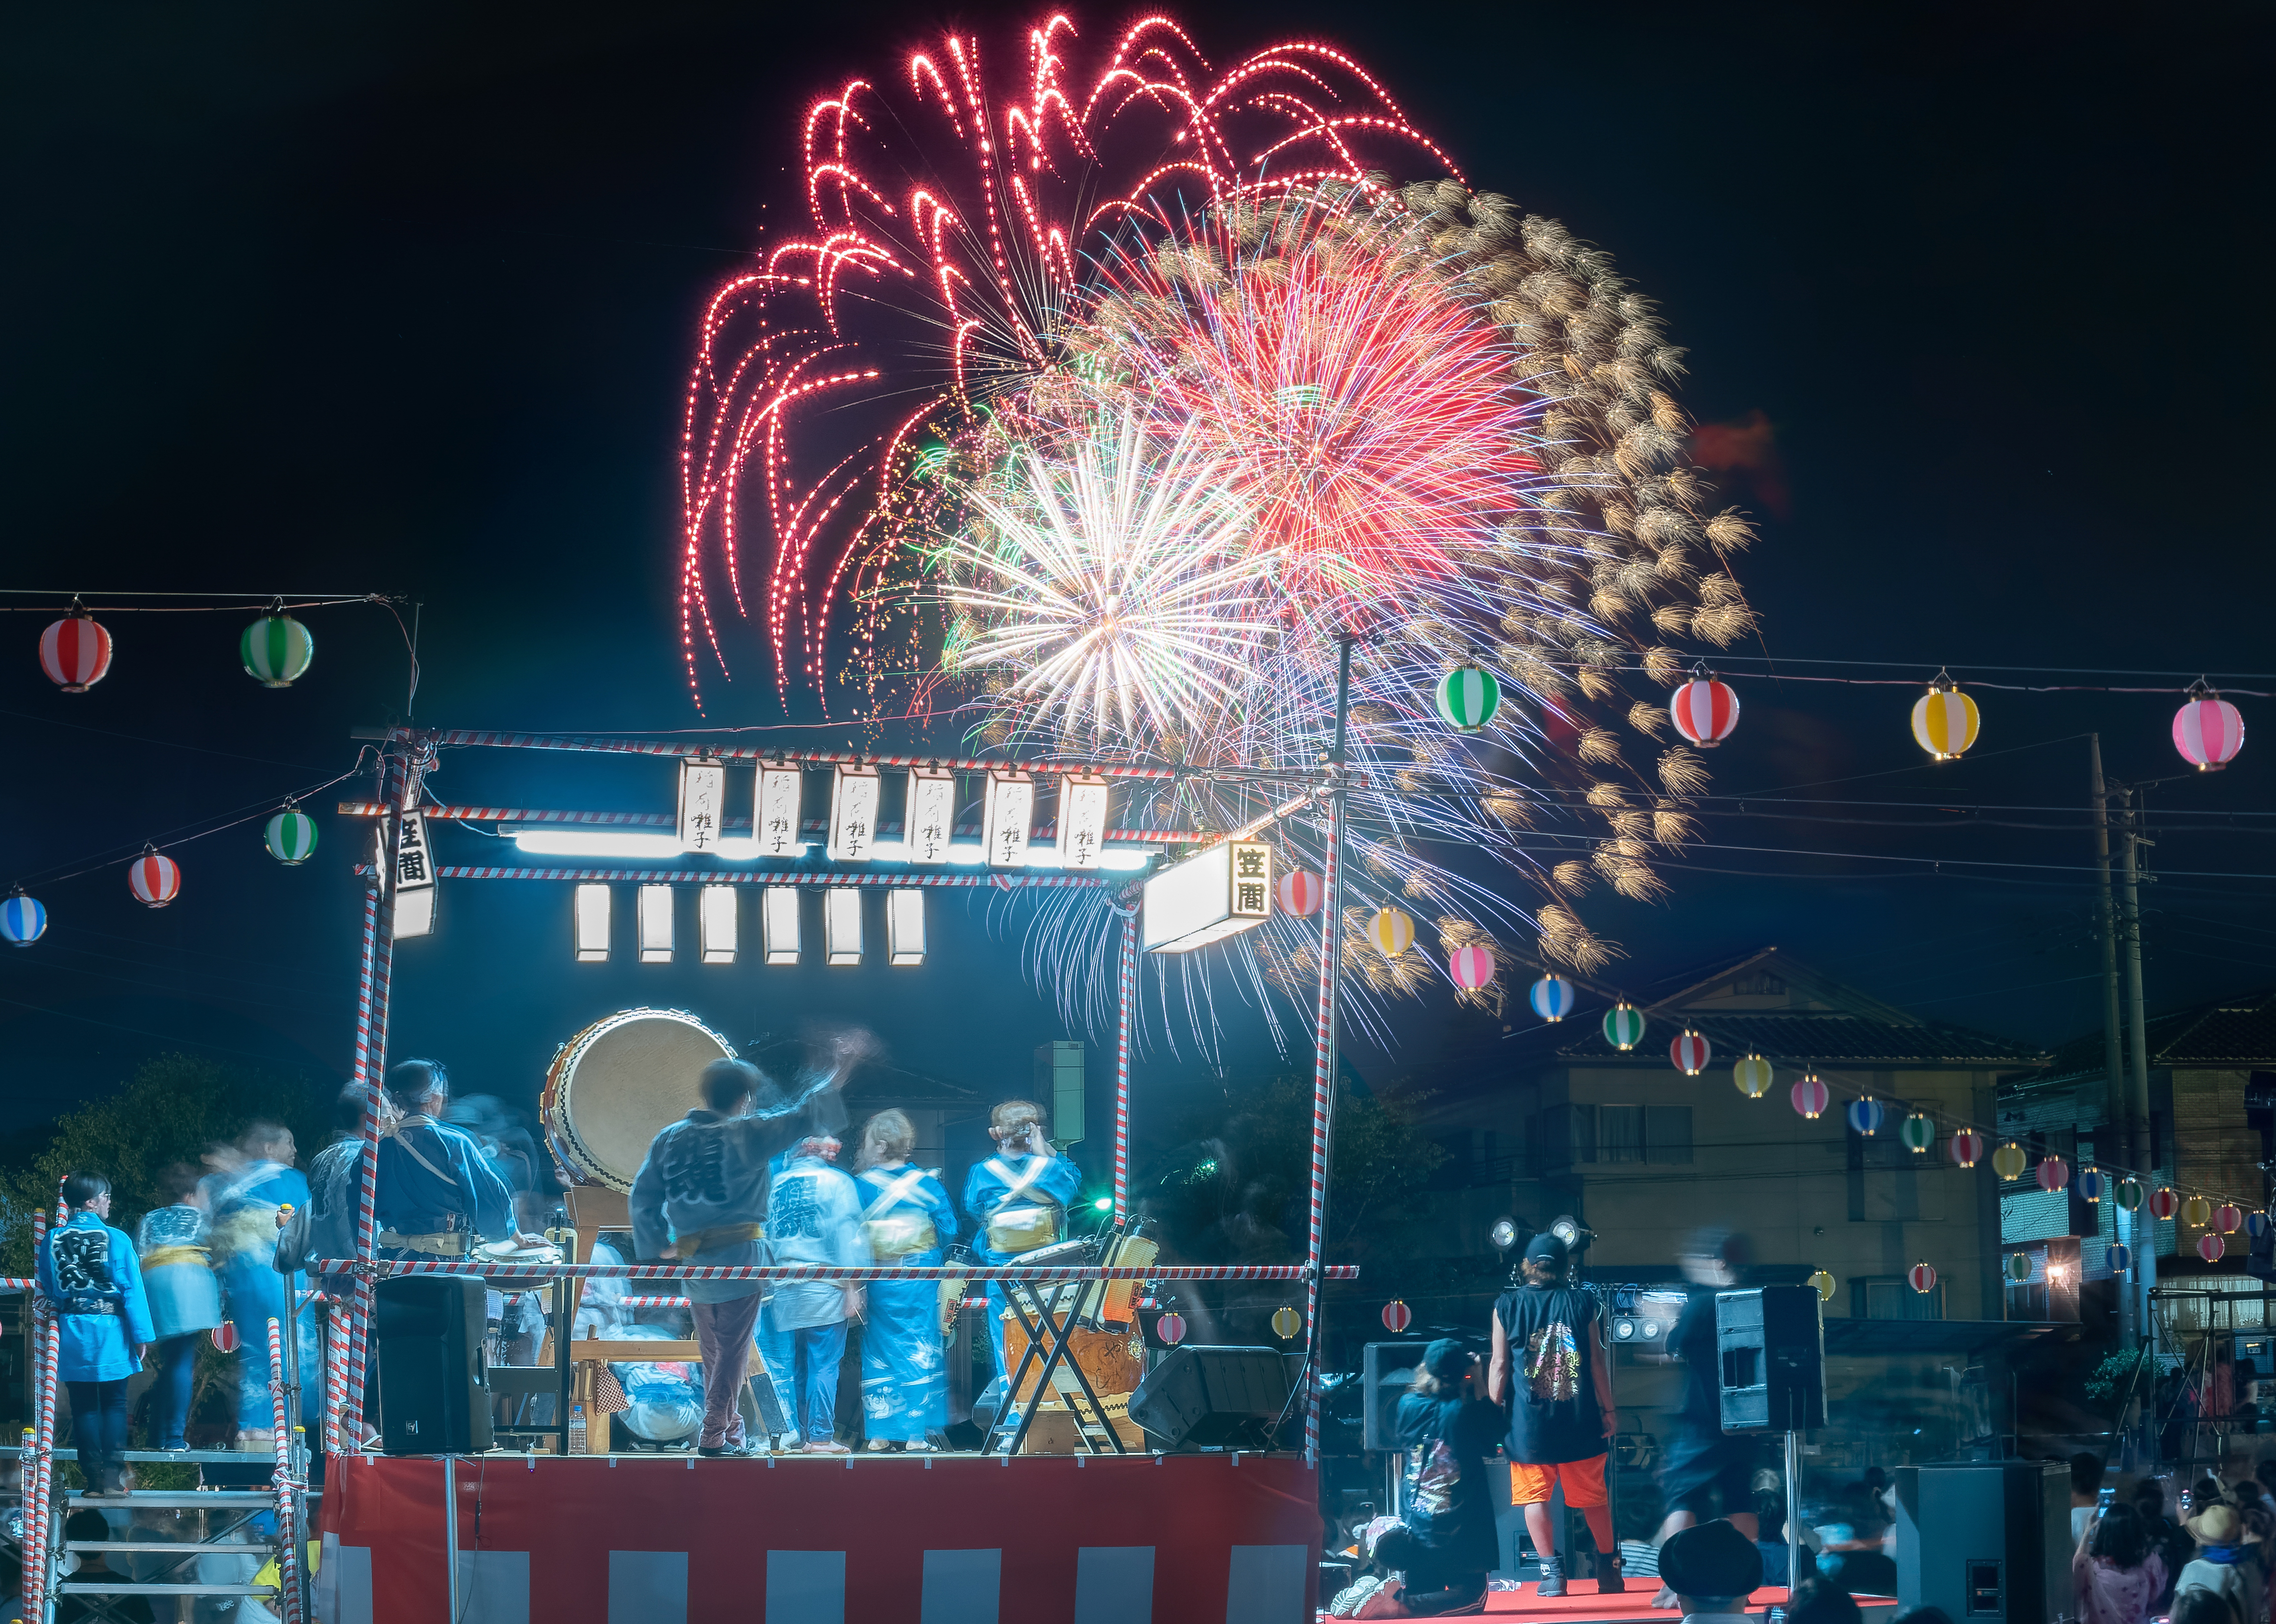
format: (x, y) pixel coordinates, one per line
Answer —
(777, 809)
(1007, 808)
(414, 874)
(854, 793)
(929, 814)
(1083, 819)
(703, 803)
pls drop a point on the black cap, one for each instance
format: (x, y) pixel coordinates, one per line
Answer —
(1447, 1359)
(1710, 1560)
(1546, 1248)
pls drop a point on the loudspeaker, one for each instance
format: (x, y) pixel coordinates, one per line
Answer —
(1985, 1540)
(434, 1386)
(1771, 1349)
(1387, 1368)
(1212, 1398)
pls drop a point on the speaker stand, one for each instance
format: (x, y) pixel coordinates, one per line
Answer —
(1793, 1511)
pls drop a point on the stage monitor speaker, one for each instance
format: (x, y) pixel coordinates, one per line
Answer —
(434, 1387)
(1383, 1374)
(1770, 1350)
(1985, 1540)
(1213, 1398)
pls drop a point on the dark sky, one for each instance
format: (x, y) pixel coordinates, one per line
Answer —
(400, 299)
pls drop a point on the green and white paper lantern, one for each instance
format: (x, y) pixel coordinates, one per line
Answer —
(1623, 1026)
(276, 649)
(1467, 698)
(1918, 1131)
(291, 837)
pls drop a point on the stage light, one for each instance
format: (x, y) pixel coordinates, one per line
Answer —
(1083, 819)
(703, 803)
(1007, 808)
(841, 925)
(776, 809)
(854, 793)
(1213, 894)
(929, 817)
(593, 843)
(1503, 1235)
(778, 924)
(655, 924)
(1624, 1329)
(715, 924)
(590, 914)
(1565, 1229)
(904, 926)
(1105, 1203)
(1650, 1329)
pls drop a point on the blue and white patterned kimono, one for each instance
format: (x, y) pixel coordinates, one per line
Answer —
(1017, 1205)
(908, 1220)
(245, 1238)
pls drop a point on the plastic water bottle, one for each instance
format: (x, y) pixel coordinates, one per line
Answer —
(577, 1446)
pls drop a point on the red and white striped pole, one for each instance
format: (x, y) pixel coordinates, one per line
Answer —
(370, 1070)
(288, 1531)
(1130, 982)
(1323, 1048)
(39, 1467)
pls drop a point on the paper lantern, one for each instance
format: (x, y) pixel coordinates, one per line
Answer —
(22, 919)
(2196, 1213)
(2256, 1224)
(1552, 998)
(2163, 1204)
(1945, 720)
(2093, 1183)
(291, 837)
(1705, 710)
(1467, 698)
(2207, 730)
(1753, 1076)
(1623, 1026)
(1286, 1322)
(276, 649)
(1470, 967)
(1396, 1315)
(1923, 1277)
(2053, 1174)
(2019, 1266)
(155, 878)
(75, 653)
(2130, 1194)
(1967, 1147)
(1918, 1133)
(2009, 1161)
(1824, 1285)
(1170, 1328)
(1392, 932)
(2229, 1217)
(2119, 1258)
(224, 1337)
(1302, 892)
(1866, 1115)
(1690, 1052)
(1809, 1096)
(2211, 1247)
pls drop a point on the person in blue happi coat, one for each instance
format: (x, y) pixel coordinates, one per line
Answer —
(909, 1221)
(436, 1194)
(244, 1208)
(178, 1279)
(813, 1216)
(1017, 1200)
(89, 1271)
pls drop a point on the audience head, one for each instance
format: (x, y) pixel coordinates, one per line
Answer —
(1923, 1615)
(1818, 1600)
(2202, 1606)
(90, 1191)
(2086, 1474)
(1712, 1567)
(2119, 1537)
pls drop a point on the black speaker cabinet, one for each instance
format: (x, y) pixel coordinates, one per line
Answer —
(1212, 1398)
(1387, 1368)
(1771, 1345)
(433, 1388)
(1985, 1540)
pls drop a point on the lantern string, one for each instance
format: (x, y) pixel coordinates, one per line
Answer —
(239, 602)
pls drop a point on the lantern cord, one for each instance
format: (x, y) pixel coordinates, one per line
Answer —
(257, 602)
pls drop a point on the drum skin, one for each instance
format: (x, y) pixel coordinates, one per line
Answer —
(617, 1084)
(1114, 1361)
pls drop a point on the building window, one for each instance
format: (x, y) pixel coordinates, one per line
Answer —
(1643, 1133)
(1619, 1133)
(1892, 1297)
(1667, 1133)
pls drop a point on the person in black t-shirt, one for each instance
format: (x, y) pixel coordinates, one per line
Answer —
(1549, 1366)
(1447, 1431)
(1705, 1473)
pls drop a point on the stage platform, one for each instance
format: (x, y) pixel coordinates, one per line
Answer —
(819, 1539)
(1633, 1606)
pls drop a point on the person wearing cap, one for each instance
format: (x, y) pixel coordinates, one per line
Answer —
(1447, 1431)
(2221, 1564)
(1549, 1366)
(1712, 1567)
(1704, 1472)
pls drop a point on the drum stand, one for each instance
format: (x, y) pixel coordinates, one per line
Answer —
(1046, 1330)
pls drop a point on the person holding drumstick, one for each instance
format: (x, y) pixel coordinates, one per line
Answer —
(1017, 1198)
(436, 1194)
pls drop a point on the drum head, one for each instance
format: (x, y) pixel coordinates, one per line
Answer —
(620, 1082)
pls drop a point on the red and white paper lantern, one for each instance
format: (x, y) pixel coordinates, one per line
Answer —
(1302, 892)
(2229, 1217)
(1967, 1147)
(1705, 710)
(75, 653)
(2211, 1247)
(2053, 1174)
(155, 878)
(1470, 967)
(1690, 1052)
(2207, 730)
(1397, 1316)
(1170, 1328)
(1923, 1277)
(2162, 1203)
(1809, 1096)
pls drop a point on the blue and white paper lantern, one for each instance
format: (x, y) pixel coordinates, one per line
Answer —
(22, 919)
(1866, 1115)
(1552, 998)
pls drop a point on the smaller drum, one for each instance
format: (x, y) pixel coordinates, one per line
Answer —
(617, 1084)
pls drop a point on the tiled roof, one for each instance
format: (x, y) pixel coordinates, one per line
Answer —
(1828, 1038)
(2234, 1032)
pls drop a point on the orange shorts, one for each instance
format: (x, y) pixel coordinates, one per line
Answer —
(1583, 1481)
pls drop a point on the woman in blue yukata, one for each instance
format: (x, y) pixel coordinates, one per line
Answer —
(178, 1277)
(245, 1238)
(907, 1220)
(1018, 1200)
(89, 1271)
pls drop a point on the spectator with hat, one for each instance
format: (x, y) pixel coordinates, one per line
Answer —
(1712, 1568)
(2220, 1565)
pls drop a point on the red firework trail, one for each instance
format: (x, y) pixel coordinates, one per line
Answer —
(952, 228)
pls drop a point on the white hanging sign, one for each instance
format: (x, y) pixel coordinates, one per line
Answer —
(854, 796)
(932, 813)
(703, 803)
(1009, 807)
(412, 872)
(774, 830)
(1083, 819)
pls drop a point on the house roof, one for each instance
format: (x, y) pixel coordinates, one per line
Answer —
(2232, 1034)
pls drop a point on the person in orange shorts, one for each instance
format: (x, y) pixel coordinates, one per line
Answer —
(1551, 1368)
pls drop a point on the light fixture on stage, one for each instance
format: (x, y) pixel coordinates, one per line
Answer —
(1212, 895)
(615, 843)
(929, 817)
(904, 926)
(414, 874)
(854, 793)
(841, 925)
(703, 803)
(1006, 809)
(655, 924)
(591, 917)
(715, 924)
(776, 806)
(778, 924)
(1083, 819)
(1568, 1229)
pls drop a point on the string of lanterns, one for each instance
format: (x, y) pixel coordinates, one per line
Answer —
(276, 649)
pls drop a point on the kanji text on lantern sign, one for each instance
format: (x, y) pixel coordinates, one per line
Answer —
(930, 813)
(703, 803)
(413, 870)
(1216, 893)
(781, 789)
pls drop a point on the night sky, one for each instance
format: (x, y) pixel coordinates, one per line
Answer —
(401, 299)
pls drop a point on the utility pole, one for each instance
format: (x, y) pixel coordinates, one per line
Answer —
(2137, 1080)
(2113, 1073)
